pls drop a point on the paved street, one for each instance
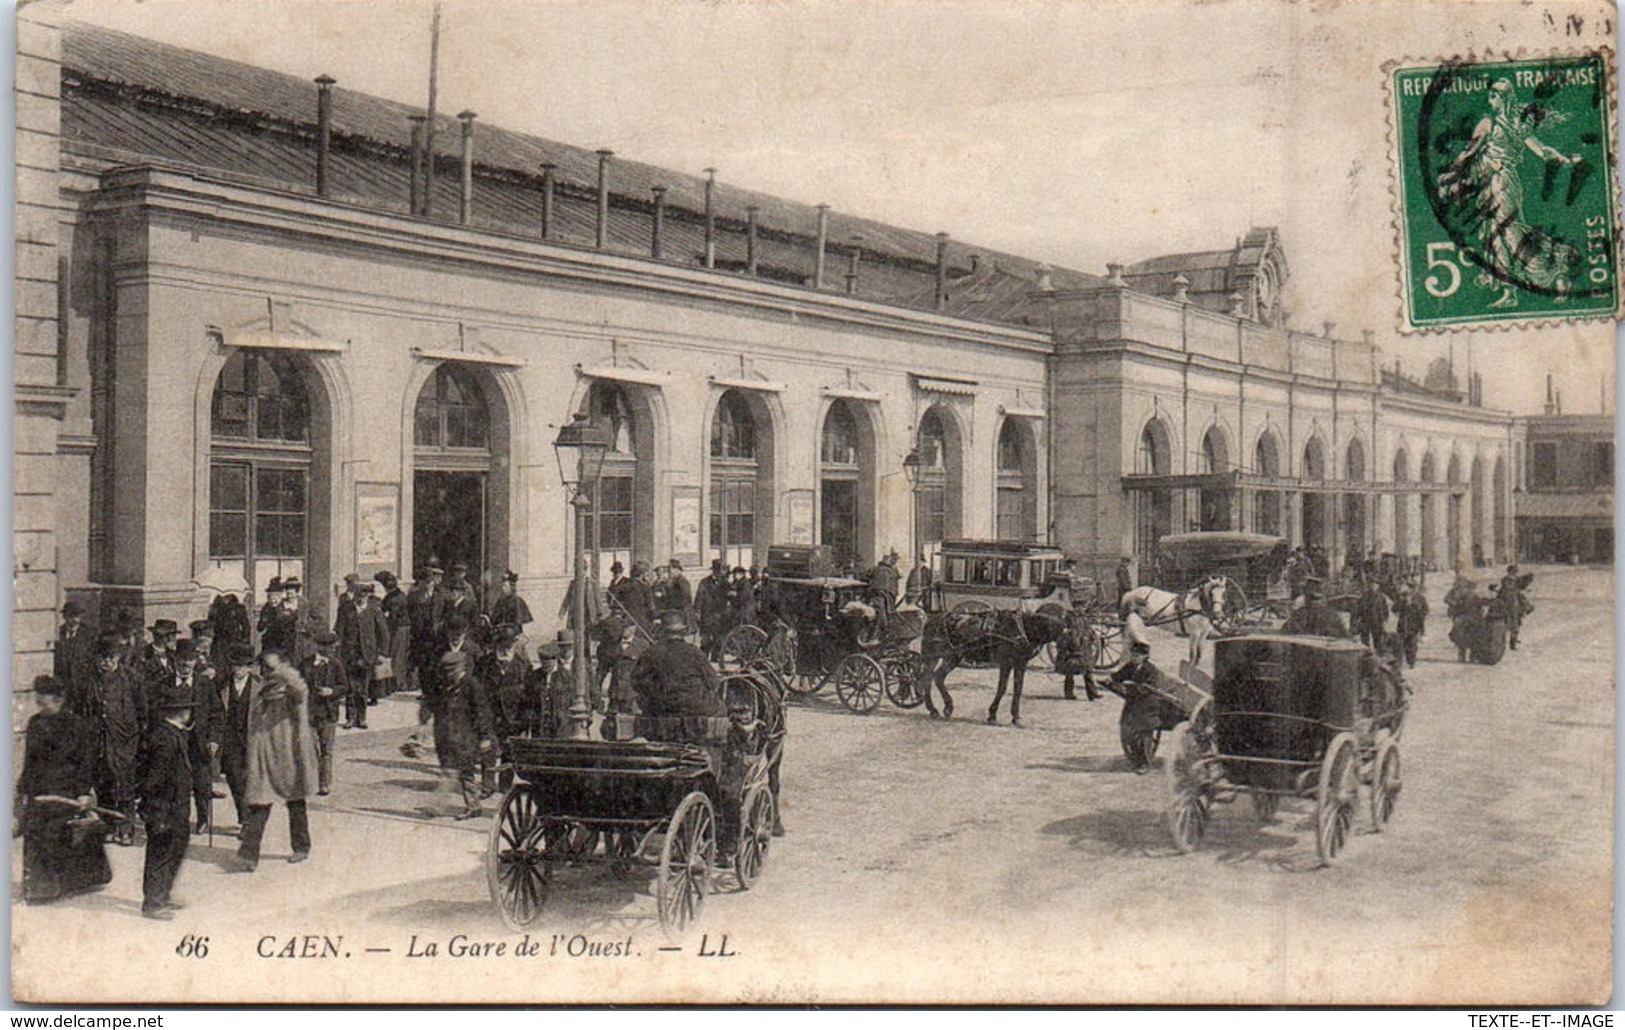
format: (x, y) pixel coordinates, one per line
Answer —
(966, 862)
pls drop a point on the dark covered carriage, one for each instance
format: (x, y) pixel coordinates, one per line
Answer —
(673, 791)
(1291, 717)
(1250, 564)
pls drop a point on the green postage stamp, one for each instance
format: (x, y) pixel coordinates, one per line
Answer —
(1506, 191)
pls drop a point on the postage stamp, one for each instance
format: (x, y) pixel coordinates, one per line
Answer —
(1506, 199)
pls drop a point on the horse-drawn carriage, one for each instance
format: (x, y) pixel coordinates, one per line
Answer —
(1290, 717)
(981, 575)
(820, 630)
(670, 790)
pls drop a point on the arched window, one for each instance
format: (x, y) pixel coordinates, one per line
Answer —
(1017, 513)
(1267, 503)
(1154, 515)
(451, 413)
(932, 489)
(734, 484)
(1314, 508)
(840, 441)
(1214, 501)
(1354, 504)
(846, 486)
(610, 529)
(259, 467)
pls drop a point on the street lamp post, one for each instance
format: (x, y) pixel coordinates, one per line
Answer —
(912, 463)
(580, 450)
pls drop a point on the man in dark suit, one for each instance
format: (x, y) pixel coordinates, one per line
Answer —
(166, 796)
(156, 664)
(326, 680)
(236, 692)
(1316, 618)
(74, 663)
(363, 640)
(203, 743)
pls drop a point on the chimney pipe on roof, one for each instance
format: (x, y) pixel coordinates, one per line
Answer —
(1182, 289)
(852, 266)
(823, 240)
(324, 129)
(602, 236)
(548, 169)
(417, 121)
(465, 198)
(942, 271)
(750, 239)
(659, 220)
(710, 218)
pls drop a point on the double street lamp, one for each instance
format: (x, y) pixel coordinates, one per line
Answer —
(580, 449)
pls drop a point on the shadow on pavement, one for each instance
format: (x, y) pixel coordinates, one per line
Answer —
(1232, 837)
(1086, 764)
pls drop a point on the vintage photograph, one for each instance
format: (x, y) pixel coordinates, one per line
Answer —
(663, 501)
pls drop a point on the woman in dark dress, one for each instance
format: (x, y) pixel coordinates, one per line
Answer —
(63, 851)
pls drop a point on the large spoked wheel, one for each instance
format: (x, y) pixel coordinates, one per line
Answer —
(570, 841)
(780, 651)
(860, 683)
(1232, 615)
(518, 859)
(903, 679)
(1108, 648)
(755, 834)
(1188, 803)
(1385, 785)
(686, 860)
(1338, 793)
(741, 646)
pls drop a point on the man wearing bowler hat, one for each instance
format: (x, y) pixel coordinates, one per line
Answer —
(156, 665)
(166, 798)
(117, 703)
(236, 689)
(326, 680)
(203, 742)
(75, 658)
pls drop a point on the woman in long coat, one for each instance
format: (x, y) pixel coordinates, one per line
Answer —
(281, 757)
(62, 847)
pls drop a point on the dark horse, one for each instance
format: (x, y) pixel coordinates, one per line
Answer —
(1009, 638)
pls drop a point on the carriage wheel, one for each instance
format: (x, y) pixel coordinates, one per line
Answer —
(755, 834)
(1188, 803)
(742, 644)
(685, 863)
(903, 679)
(1385, 785)
(972, 607)
(1234, 615)
(1338, 792)
(781, 650)
(860, 683)
(519, 859)
(1108, 647)
(1265, 806)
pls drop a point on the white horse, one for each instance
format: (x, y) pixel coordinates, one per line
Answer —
(1193, 610)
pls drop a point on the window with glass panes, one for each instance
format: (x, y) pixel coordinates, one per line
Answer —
(732, 500)
(931, 498)
(259, 468)
(451, 413)
(1015, 518)
(613, 509)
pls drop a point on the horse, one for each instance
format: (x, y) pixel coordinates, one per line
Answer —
(1195, 610)
(1009, 637)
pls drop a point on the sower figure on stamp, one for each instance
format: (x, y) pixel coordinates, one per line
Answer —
(166, 800)
(281, 758)
(323, 675)
(62, 838)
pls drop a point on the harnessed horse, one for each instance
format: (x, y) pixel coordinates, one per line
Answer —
(1009, 637)
(1195, 610)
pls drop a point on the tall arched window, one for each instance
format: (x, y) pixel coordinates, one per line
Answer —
(932, 496)
(451, 413)
(609, 531)
(1354, 504)
(1313, 526)
(1430, 513)
(1267, 503)
(840, 476)
(733, 480)
(1017, 512)
(1214, 502)
(259, 467)
(1402, 505)
(1154, 515)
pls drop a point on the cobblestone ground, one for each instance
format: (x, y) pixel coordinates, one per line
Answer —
(965, 862)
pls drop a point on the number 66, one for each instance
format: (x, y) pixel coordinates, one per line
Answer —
(1435, 260)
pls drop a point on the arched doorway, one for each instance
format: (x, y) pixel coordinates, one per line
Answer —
(1452, 522)
(459, 436)
(1479, 540)
(846, 485)
(940, 488)
(1267, 503)
(269, 465)
(1313, 523)
(1214, 504)
(1354, 504)
(1402, 505)
(1154, 514)
(1017, 504)
(1498, 483)
(621, 528)
(741, 480)
(1430, 515)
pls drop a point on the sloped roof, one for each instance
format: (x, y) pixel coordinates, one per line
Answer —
(128, 99)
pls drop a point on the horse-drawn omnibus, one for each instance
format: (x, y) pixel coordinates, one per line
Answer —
(981, 575)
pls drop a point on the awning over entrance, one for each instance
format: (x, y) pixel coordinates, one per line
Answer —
(1255, 481)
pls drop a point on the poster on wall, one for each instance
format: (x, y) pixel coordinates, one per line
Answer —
(800, 506)
(685, 524)
(377, 521)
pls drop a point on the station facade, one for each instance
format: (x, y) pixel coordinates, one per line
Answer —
(253, 350)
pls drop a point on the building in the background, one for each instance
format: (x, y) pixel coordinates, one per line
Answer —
(274, 349)
(1565, 493)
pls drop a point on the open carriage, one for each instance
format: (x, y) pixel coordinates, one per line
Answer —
(1290, 717)
(669, 791)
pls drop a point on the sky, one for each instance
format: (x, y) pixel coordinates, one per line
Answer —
(1068, 132)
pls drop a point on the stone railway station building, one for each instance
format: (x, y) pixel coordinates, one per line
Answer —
(243, 343)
